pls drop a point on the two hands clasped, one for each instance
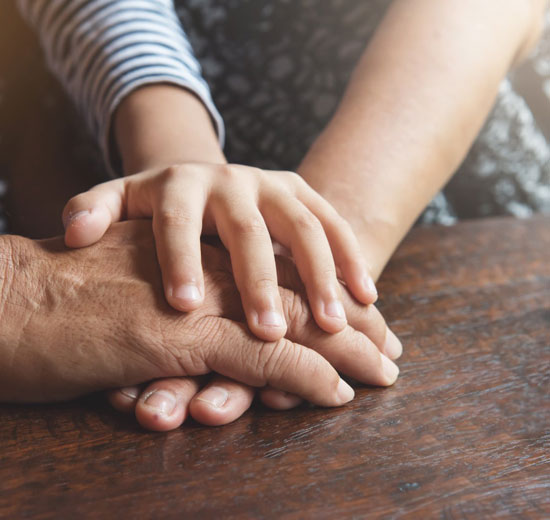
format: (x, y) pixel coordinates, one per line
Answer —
(310, 310)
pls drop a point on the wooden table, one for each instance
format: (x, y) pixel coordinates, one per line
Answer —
(464, 433)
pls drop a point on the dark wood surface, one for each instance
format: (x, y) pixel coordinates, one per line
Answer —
(464, 433)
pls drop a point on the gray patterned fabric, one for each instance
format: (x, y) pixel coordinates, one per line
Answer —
(278, 69)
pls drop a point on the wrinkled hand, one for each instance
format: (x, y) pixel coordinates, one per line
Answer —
(86, 320)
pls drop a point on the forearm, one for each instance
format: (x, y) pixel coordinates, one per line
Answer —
(161, 125)
(102, 52)
(415, 103)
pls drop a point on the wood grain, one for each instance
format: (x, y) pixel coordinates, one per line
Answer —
(463, 434)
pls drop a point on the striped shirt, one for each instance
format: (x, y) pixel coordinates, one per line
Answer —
(101, 50)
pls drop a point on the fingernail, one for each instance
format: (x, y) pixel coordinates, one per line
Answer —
(369, 284)
(392, 346)
(391, 370)
(72, 218)
(345, 392)
(187, 292)
(131, 392)
(335, 309)
(270, 319)
(162, 401)
(215, 396)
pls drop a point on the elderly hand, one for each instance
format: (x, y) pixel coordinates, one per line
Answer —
(78, 321)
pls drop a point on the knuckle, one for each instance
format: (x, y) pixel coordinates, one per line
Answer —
(178, 173)
(172, 173)
(338, 221)
(355, 350)
(168, 344)
(289, 177)
(263, 281)
(227, 170)
(253, 225)
(194, 355)
(173, 217)
(274, 194)
(186, 361)
(275, 359)
(355, 343)
(291, 182)
(307, 222)
(297, 310)
(206, 326)
(297, 180)
(231, 172)
(256, 172)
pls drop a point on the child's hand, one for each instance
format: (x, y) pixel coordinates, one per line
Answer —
(243, 205)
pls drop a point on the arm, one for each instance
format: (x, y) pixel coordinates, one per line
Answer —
(162, 125)
(103, 51)
(188, 190)
(415, 103)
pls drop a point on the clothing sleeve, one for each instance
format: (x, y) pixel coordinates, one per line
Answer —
(101, 50)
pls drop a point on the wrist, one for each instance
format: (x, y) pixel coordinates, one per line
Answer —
(161, 125)
(377, 227)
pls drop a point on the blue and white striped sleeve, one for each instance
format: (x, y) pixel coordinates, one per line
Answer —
(102, 50)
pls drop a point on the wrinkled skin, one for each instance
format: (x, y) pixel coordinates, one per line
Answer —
(92, 319)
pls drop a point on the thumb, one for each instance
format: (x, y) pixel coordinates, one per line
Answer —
(87, 216)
